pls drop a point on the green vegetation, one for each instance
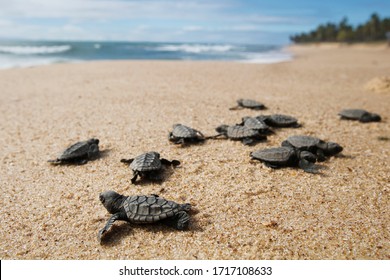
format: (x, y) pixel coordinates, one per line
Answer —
(374, 29)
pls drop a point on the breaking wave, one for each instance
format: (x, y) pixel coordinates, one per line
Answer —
(195, 48)
(33, 50)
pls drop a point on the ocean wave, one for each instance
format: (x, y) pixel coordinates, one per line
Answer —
(195, 48)
(31, 50)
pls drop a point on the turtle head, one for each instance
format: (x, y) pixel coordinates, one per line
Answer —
(332, 149)
(112, 201)
(93, 141)
(222, 129)
(370, 117)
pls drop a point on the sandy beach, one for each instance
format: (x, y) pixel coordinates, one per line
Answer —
(242, 209)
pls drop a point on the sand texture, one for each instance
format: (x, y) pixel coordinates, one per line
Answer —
(242, 209)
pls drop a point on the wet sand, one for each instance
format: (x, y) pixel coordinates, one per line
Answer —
(242, 209)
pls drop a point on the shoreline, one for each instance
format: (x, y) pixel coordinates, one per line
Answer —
(244, 210)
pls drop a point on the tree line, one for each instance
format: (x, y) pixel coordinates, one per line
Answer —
(374, 29)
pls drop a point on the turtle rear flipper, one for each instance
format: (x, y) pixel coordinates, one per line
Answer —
(54, 161)
(215, 136)
(180, 221)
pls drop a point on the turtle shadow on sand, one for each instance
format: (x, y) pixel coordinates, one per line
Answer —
(159, 177)
(102, 154)
(189, 144)
(345, 156)
(124, 230)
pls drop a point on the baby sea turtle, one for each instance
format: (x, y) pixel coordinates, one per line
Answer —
(182, 134)
(286, 156)
(248, 103)
(279, 120)
(148, 165)
(254, 123)
(143, 209)
(79, 153)
(238, 132)
(360, 115)
(313, 145)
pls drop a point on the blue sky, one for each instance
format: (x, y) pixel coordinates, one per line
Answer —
(235, 21)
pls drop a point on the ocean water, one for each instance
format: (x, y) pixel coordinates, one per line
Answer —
(33, 53)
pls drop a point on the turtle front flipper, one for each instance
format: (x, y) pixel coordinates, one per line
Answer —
(110, 222)
(170, 162)
(81, 161)
(55, 161)
(307, 166)
(247, 141)
(320, 155)
(270, 165)
(127, 161)
(180, 141)
(93, 151)
(135, 176)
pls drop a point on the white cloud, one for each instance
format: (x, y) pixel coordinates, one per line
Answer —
(193, 28)
(108, 9)
(148, 20)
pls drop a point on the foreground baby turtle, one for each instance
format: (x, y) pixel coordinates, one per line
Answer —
(248, 103)
(238, 132)
(143, 209)
(148, 165)
(254, 123)
(79, 153)
(360, 115)
(286, 156)
(182, 134)
(313, 145)
(279, 120)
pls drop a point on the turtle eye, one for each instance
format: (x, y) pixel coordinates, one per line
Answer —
(101, 198)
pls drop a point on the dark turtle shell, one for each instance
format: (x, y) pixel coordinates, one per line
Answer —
(239, 132)
(78, 150)
(254, 123)
(360, 115)
(182, 131)
(279, 120)
(279, 156)
(146, 162)
(251, 104)
(149, 209)
(302, 142)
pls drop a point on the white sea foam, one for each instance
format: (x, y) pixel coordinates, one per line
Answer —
(31, 50)
(195, 48)
(7, 62)
(267, 57)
